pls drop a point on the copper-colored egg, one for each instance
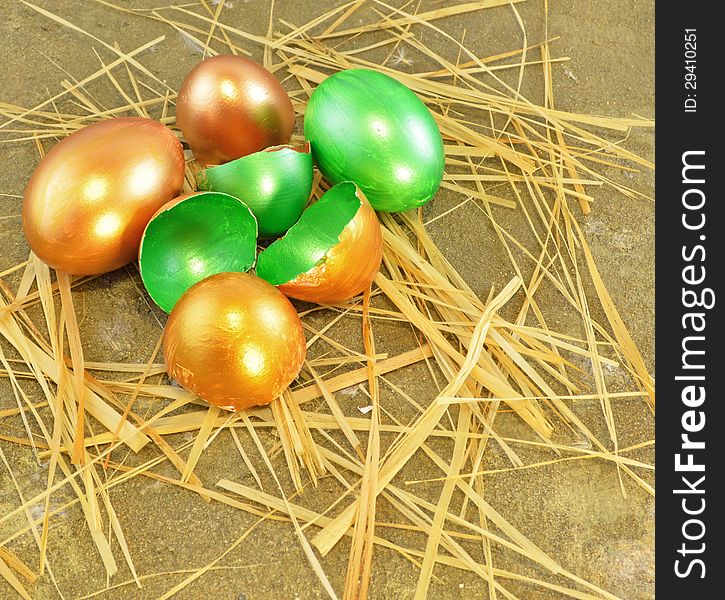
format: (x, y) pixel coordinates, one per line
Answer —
(230, 106)
(234, 340)
(331, 254)
(89, 199)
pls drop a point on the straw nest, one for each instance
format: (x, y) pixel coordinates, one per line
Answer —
(95, 426)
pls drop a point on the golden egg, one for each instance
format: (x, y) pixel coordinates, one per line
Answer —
(230, 106)
(89, 199)
(331, 254)
(234, 340)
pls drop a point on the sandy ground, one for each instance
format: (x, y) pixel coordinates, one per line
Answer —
(574, 511)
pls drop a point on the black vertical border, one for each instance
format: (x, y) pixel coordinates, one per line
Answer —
(677, 132)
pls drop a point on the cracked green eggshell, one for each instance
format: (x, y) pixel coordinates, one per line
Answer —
(274, 183)
(192, 237)
(367, 127)
(331, 254)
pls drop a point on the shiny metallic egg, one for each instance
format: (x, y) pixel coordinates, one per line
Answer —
(234, 340)
(364, 126)
(230, 106)
(89, 199)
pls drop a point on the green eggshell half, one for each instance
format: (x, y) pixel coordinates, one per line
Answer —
(192, 238)
(369, 128)
(275, 183)
(310, 239)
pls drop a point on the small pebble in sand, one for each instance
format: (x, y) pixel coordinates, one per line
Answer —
(570, 74)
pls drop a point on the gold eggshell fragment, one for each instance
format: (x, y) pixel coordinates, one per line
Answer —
(230, 106)
(331, 254)
(234, 340)
(89, 199)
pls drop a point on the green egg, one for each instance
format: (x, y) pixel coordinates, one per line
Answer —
(192, 237)
(367, 127)
(274, 183)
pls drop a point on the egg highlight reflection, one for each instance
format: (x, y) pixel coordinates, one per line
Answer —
(369, 128)
(192, 237)
(275, 183)
(230, 106)
(234, 340)
(88, 201)
(331, 254)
